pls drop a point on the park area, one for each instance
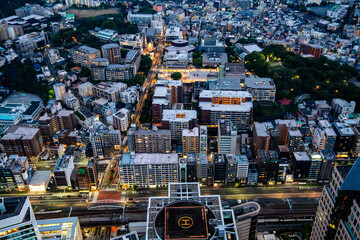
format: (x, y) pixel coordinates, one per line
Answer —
(84, 13)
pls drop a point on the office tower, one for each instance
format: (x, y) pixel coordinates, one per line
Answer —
(242, 168)
(203, 139)
(261, 137)
(98, 69)
(92, 174)
(202, 167)
(176, 89)
(338, 214)
(219, 169)
(59, 90)
(84, 55)
(153, 141)
(231, 167)
(131, 138)
(17, 219)
(344, 140)
(182, 170)
(355, 150)
(283, 127)
(60, 228)
(7, 179)
(235, 106)
(327, 165)
(252, 175)
(86, 89)
(148, 169)
(315, 167)
(274, 139)
(190, 140)
(294, 141)
(300, 165)
(63, 170)
(227, 137)
(23, 141)
(190, 215)
(246, 216)
(277, 170)
(111, 52)
(191, 166)
(263, 164)
(133, 57)
(177, 120)
(109, 90)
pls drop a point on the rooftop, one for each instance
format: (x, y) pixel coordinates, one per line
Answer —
(13, 206)
(149, 158)
(266, 83)
(174, 115)
(20, 132)
(40, 177)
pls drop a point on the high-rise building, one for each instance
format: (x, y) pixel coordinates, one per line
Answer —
(242, 168)
(344, 140)
(57, 228)
(235, 106)
(341, 106)
(86, 89)
(121, 119)
(63, 170)
(311, 49)
(92, 174)
(261, 137)
(261, 89)
(177, 120)
(203, 139)
(231, 167)
(23, 141)
(176, 89)
(51, 123)
(148, 169)
(202, 167)
(88, 3)
(17, 219)
(98, 69)
(227, 137)
(315, 167)
(246, 216)
(219, 169)
(327, 165)
(283, 127)
(84, 55)
(153, 141)
(294, 140)
(190, 140)
(338, 213)
(59, 90)
(186, 214)
(111, 52)
(300, 166)
(355, 150)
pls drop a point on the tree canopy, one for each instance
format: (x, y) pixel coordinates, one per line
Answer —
(176, 76)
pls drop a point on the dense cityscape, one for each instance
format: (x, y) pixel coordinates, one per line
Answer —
(176, 120)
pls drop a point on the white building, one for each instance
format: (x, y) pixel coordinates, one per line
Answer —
(60, 228)
(109, 90)
(59, 91)
(121, 119)
(86, 89)
(62, 171)
(148, 169)
(235, 106)
(70, 100)
(88, 3)
(40, 181)
(227, 137)
(130, 95)
(17, 219)
(242, 168)
(341, 106)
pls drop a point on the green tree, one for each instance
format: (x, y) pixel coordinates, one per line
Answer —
(176, 76)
